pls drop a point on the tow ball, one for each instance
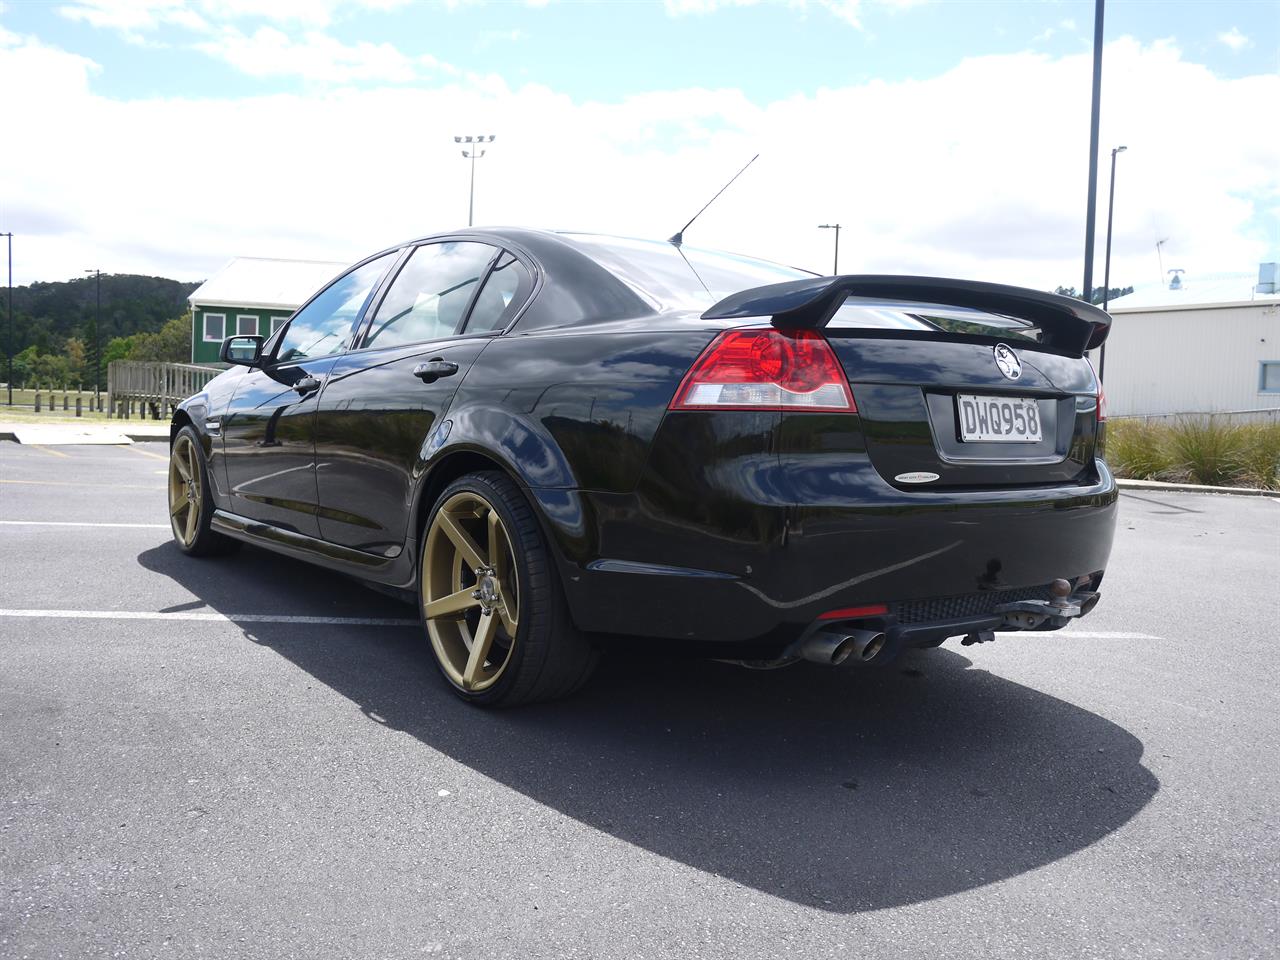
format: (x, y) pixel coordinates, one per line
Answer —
(1057, 612)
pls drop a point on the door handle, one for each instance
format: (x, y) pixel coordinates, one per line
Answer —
(434, 369)
(306, 385)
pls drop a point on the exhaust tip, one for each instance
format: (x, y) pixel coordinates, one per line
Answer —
(868, 647)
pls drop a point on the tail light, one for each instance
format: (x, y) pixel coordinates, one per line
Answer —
(1102, 394)
(766, 370)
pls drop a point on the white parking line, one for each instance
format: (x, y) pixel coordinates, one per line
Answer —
(208, 617)
(381, 621)
(74, 523)
(1083, 635)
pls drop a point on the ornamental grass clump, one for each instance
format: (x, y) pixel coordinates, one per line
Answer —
(1202, 450)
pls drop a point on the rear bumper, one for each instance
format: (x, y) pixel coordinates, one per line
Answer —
(750, 581)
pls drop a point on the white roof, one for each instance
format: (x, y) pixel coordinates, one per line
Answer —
(265, 282)
(1196, 290)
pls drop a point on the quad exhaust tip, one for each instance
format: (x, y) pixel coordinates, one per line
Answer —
(833, 648)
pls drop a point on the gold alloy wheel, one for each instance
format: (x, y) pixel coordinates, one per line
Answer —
(469, 591)
(185, 493)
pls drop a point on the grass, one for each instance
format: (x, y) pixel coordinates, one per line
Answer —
(1202, 450)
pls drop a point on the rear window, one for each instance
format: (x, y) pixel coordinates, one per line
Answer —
(689, 278)
(681, 277)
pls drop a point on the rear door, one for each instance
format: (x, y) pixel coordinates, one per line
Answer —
(267, 428)
(384, 400)
(955, 397)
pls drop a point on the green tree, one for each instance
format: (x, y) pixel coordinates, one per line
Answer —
(73, 350)
(171, 344)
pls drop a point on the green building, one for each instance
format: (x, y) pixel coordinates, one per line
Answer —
(251, 295)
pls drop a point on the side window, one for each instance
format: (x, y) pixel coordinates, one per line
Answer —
(325, 325)
(503, 294)
(430, 295)
(215, 325)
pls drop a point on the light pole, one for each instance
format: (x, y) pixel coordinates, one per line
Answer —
(1160, 256)
(1092, 206)
(473, 155)
(835, 269)
(9, 345)
(97, 332)
(1106, 269)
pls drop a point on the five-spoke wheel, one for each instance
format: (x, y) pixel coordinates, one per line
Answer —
(185, 490)
(471, 595)
(491, 600)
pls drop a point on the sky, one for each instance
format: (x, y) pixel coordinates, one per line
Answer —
(947, 137)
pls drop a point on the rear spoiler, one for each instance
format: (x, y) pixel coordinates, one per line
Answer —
(1067, 324)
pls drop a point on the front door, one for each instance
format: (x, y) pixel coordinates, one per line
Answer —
(383, 400)
(267, 429)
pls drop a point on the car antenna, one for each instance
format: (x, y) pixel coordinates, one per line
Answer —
(678, 238)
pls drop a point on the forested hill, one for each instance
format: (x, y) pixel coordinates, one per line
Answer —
(47, 314)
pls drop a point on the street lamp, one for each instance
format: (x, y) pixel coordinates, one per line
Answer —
(97, 333)
(473, 155)
(1106, 269)
(9, 346)
(835, 269)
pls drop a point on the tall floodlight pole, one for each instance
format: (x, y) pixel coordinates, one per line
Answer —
(473, 155)
(835, 269)
(1092, 208)
(97, 332)
(1106, 270)
(9, 344)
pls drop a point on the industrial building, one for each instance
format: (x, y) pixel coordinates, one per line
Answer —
(1197, 344)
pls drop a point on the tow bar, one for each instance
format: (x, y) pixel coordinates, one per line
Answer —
(1030, 614)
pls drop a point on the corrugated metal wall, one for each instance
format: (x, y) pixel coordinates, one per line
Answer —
(1191, 361)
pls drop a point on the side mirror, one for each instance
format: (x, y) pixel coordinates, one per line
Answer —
(245, 350)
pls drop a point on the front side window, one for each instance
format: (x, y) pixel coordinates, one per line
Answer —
(501, 296)
(429, 297)
(215, 327)
(325, 325)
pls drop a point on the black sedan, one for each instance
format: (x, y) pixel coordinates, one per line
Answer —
(559, 442)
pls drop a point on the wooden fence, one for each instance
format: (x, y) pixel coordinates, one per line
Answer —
(144, 387)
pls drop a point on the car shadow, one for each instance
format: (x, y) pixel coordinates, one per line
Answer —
(841, 789)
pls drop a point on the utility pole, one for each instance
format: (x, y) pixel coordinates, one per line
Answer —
(473, 155)
(1160, 256)
(1106, 270)
(97, 333)
(9, 346)
(835, 268)
(1092, 208)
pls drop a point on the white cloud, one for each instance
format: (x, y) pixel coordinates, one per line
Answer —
(316, 57)
(978, 172)
(1234, 39)
(846, 10)
(135, 18)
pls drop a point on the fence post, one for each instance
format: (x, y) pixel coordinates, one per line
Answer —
(78, 405)
(37, 401)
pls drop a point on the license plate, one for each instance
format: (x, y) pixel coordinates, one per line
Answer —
(998, 419)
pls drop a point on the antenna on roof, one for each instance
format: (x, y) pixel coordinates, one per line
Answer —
(678, 238)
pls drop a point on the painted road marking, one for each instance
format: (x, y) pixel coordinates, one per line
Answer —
(209, 617)
(44, 449)
(369, 621)
(1082, 634)
(87, 483)
(147, 453)
(73, 523)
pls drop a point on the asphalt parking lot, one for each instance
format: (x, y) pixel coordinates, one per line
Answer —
(213, 776)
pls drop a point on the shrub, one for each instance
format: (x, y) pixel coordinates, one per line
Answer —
(1204, 450)
(1138, 449)
(1257, 461)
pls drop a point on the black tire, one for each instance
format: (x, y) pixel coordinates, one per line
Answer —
(548, 658)
(193, 536)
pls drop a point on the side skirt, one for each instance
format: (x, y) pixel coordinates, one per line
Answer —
(395, 572)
